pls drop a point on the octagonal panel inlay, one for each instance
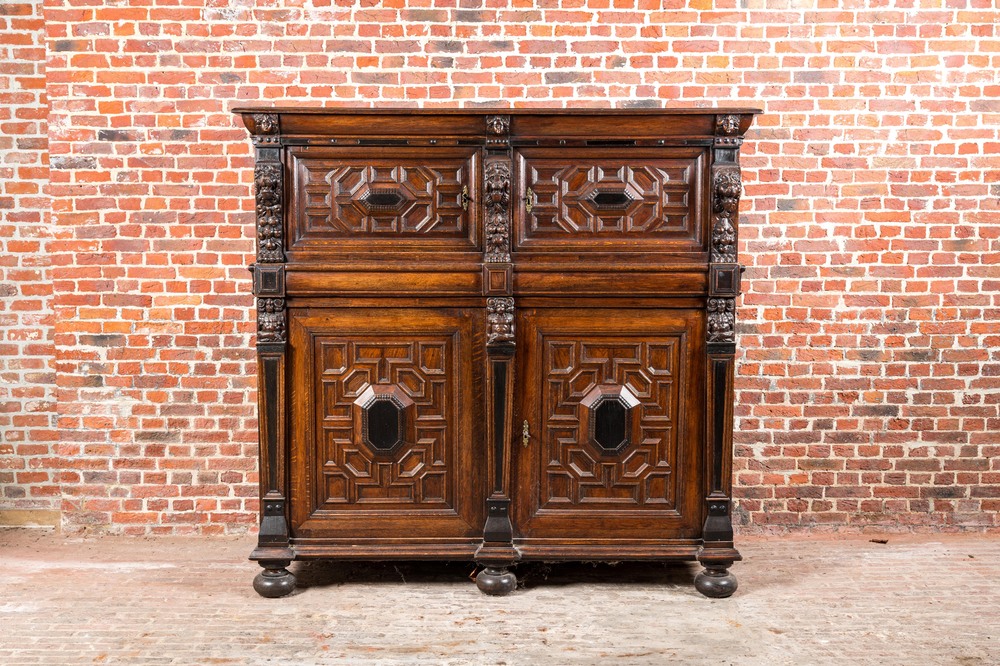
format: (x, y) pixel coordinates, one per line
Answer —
(385, 411)
(383, 424)
(610, 430)
(382, 199)
(605, 199)
(609, 411)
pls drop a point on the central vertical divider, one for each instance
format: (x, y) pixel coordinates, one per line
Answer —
(497, 551)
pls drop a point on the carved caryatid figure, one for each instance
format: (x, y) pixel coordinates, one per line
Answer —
(267, 180)
(728, 187)
(721, 319)
(497, 211)
(500, 317)
(270, 320)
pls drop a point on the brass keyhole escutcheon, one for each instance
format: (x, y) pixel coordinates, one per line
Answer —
(529, 197)
(465, 197)
(525, 435)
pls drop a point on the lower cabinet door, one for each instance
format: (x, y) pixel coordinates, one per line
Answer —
(610, 420)
(386, 424)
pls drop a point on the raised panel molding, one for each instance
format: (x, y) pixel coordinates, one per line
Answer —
(366, 199)
(567, 199)
(353, 196)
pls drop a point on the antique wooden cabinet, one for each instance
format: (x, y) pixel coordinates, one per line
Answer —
(496, 335)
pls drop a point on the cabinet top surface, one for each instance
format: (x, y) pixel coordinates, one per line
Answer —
(300, 110)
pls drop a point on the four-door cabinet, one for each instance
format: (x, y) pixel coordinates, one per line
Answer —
(496, 335)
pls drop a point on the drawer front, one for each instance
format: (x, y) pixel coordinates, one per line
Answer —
(612, 401)
(601, 200)
(383, 427)
(376, 198)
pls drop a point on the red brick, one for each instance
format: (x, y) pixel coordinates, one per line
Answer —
(866, 321)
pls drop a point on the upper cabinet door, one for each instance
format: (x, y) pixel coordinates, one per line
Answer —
(584, 199)
(383, 198)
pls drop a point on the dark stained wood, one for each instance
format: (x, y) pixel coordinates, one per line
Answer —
(497, 552)
(497, 335)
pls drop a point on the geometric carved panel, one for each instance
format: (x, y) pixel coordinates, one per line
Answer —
(640, 376)
(351, 195)
(623, 202)
(415, 377)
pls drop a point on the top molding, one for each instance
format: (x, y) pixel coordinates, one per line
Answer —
(487, 111)
(579, 122)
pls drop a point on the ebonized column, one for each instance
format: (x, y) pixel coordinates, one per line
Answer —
(718, 553)
(273, 552)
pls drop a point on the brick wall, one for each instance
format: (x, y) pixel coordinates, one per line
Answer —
(868, 388)
(29, 490)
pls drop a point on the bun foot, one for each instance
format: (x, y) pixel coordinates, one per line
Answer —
(715, 582)
(274, 581)
(496, 581)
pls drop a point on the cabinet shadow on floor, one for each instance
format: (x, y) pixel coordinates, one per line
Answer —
(530, 575)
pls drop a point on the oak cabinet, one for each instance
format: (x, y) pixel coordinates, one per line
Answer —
(496, 335)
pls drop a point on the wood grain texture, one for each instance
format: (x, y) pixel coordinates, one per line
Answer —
(383, 197)
(430, 483)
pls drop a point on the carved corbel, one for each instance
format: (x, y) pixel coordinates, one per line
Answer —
(265, 128)
(497, 131)
(727, 130)
(271, 320)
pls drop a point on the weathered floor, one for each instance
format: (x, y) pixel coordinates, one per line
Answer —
(915, 600)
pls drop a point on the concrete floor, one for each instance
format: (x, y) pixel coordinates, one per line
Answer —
(822, 600)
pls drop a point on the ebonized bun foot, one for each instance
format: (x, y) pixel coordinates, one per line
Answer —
(496, 581)
(716, 582)
(274, 581)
